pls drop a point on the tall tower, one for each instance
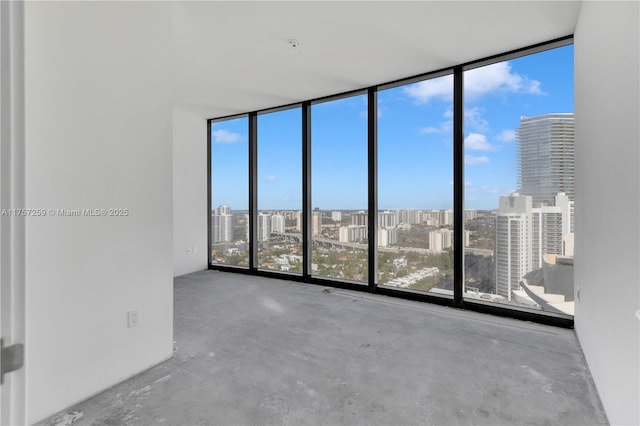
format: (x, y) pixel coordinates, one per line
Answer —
(547, 157)
(513, 248)
(221, 225)
(299, 221)
(277, 223)
(264, 226)
(316, 223)
(550, 226)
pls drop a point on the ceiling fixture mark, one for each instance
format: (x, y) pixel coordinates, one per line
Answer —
(294, 43)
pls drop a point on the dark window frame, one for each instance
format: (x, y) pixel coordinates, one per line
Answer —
(458, 301)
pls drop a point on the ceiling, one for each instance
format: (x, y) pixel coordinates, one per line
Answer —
(235, 57)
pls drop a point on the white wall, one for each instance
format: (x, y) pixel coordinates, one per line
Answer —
(98, 118)
(189, 192)
(607, 207)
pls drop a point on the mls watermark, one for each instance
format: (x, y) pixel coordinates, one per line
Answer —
(120, 212)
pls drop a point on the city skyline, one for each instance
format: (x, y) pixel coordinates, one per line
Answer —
(415, 147)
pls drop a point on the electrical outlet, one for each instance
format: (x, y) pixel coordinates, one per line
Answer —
(195, 249)
(133, 318)
(188, 251)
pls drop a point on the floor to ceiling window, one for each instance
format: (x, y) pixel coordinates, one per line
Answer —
(415, 186)
(339, 189)
(359, 189)
(229, 209)
(519, 181)
(279, 220)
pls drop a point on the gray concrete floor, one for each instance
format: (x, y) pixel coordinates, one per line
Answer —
(253, 351)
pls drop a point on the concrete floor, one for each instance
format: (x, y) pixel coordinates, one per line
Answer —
(254, 351)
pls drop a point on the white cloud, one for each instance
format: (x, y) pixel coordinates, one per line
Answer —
(477, 142)
(424, 91)
(270, 178)
(471, 160)
(498, 76)
(507, 136)
(225, 136)
(477, 83)
(473, 118)
(444, 127)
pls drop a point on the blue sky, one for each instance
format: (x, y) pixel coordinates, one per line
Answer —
(415, 150)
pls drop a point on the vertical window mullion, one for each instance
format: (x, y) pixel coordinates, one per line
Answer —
(209, 206)
(372, 134)
(306, 190)
(253, 190)
(458, 186)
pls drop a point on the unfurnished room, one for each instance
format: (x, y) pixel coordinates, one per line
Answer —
(320, 213)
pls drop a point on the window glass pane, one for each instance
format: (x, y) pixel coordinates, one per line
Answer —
(415, 186)
(339, 189)
(280, 191)
(519, 189)
(230, 192)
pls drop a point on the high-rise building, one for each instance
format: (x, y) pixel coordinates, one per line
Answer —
(352, 233)
(387, 237)
(431, 217)
(277, 223)
(299, 221)
(470, 214)
(550, 227)
(411, 216)
(546, 233)
(387, 219)
(264, 227)
(289, 214)
(547, 157)
(222, 210)
(361, 218)
(513, 247)
(524, 234)
(440, 239)
(246, 226)
(571, 216)
(336, 216)
(316, 223)
(221, 225)
(446, 217)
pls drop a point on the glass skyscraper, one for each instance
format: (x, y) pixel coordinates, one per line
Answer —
(547, 157)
